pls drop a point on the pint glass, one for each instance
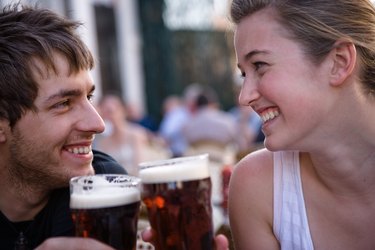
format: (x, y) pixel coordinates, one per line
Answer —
(177, 194)
(106, 207)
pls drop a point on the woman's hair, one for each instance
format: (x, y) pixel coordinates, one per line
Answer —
(318, 24)
(28, 35)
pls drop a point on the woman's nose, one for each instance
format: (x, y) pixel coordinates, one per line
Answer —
(248, 94)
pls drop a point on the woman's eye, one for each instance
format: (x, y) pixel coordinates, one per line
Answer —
(258, 65)
(90, 97)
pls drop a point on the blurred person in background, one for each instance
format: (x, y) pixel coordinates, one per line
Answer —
(136, 115)
(209, 123)
(249, 127)
(173, 119)
(123, 140)
(177, 112)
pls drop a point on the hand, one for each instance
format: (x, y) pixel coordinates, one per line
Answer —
(63, 243)
(221, 240)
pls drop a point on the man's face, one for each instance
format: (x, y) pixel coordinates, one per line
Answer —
(53, 144)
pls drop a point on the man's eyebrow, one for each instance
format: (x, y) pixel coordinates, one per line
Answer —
(63, 93)
(67, 92)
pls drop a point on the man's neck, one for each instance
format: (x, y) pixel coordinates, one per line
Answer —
(20, 204)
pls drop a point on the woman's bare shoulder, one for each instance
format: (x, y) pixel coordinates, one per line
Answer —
(251, 201)
(256, 164)
(253, 178)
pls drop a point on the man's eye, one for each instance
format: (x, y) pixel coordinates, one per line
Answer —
(62, 104)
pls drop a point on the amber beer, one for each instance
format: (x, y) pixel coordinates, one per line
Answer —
(177, 194)
(106, 207)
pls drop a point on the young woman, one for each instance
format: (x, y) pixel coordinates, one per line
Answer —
(309, 72)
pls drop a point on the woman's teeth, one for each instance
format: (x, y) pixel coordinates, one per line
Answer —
(269, 115)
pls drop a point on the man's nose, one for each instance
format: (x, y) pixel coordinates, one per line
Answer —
(91, 120)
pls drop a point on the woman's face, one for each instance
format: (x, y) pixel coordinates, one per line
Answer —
(279, 82)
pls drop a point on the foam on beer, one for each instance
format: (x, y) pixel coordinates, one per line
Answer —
(101, 196)
(175, 169)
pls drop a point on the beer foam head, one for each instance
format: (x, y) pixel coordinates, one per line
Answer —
(175, 169)
(89, 192)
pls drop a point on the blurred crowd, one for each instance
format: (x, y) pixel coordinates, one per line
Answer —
(192, 123)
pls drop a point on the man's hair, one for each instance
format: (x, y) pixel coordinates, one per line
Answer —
(29, 34)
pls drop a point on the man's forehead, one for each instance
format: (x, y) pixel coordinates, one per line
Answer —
(45, 68)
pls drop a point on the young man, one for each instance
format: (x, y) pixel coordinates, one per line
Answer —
(47, 126)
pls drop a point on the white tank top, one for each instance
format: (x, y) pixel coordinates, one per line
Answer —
(290, 224)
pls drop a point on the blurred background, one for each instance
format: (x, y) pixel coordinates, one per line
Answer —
(150, 49)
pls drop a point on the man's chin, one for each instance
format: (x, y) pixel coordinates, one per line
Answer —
(89, 171)
(86, 171)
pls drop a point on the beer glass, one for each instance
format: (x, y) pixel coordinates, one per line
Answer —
(106, 207)
(177, 194)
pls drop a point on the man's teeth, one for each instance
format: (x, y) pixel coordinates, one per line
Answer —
(269, 115)
(80, 150)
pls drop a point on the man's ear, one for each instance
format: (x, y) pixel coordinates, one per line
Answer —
(344, 55)
(4, 126)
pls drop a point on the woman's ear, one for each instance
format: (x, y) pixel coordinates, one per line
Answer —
(344, 55)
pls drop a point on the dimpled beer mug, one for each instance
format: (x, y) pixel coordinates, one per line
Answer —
(106, 207)
(177, 194)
